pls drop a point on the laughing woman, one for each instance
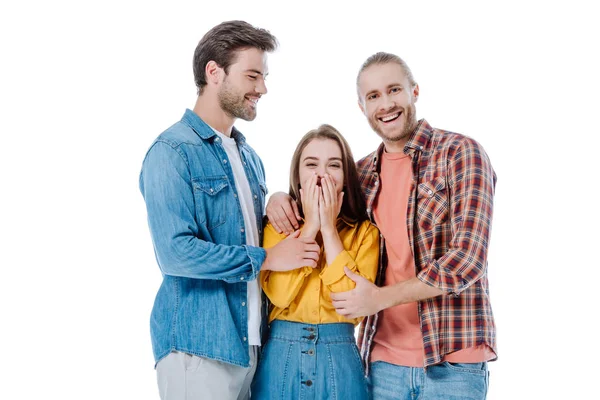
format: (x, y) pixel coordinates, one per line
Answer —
(311, 352)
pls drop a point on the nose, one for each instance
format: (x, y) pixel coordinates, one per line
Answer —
(261, 87)
(387, 103)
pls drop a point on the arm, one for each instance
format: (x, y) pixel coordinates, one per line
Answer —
(165, 183)
(281, 287)
(364, 264)
(471, 181)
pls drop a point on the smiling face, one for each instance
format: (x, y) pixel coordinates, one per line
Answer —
(322, 156)
(244, 84)
(388, 101)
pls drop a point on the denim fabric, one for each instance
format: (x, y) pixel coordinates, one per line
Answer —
(445, 381)
(197, 229)
(305, 361)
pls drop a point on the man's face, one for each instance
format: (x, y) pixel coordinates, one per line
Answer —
(388, 101)
(244, 84)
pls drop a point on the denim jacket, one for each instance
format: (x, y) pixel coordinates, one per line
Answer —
(197, 229)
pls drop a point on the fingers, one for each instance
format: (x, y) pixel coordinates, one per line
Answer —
(280, 221)
(294, 234)
(339, 297)
(351, 274)
(311, 255)
(310, 245)
(275, 220)
(344, 312)
(315, 189)
(340, 202)
(326, 184)
(296, 211)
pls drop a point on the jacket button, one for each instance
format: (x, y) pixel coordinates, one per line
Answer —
(245, 338)
(309, 383)
(243, 304)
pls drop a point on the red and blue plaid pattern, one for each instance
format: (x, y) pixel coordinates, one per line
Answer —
(449, 223)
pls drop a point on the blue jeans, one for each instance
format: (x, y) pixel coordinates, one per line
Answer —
(445, 381)
(305, 361)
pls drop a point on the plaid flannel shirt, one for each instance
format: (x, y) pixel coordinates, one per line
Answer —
(449, 220)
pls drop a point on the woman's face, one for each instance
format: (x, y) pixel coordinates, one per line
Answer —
(322, 156)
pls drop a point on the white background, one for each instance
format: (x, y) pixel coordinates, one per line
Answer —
(85, 87)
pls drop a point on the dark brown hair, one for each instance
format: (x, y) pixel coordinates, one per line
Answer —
(353, 206)
(221, 43)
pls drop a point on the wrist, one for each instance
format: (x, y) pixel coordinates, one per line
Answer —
(383, 298)
(266, 263)
(329, 232)
(309, 230)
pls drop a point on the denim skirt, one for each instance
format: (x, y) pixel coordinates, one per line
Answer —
(306, 361)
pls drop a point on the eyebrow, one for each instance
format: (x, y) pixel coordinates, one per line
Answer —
(391, 85)
(316, 158)
(257, 72)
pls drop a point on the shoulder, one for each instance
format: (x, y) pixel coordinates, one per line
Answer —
(271, 236)
(366, 161)
(367, 229)
(179, 134)
(455, 143)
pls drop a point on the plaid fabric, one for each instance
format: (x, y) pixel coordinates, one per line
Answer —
(449, 222)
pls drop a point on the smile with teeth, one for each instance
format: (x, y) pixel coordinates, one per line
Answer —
(391, 117)
(253, 100)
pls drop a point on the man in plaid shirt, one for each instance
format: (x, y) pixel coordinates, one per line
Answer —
(429, 331)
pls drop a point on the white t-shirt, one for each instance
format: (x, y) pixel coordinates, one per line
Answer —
(244, 195)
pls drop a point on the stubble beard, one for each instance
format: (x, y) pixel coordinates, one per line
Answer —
(409, 126)
(234, 104)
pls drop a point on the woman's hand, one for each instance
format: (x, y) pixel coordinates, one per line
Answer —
(330, 204)
(309, 196)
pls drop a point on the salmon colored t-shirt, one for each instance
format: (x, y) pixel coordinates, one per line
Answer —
(399, 339)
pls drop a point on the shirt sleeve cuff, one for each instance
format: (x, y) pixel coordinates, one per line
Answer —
(436, 276)
(334, 272)
(257, 257)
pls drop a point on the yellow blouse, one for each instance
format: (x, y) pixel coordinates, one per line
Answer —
(302, 295)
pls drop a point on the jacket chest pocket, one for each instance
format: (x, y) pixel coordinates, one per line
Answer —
(211, 195)
(432, 202)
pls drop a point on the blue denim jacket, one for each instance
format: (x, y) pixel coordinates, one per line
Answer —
(197, 230)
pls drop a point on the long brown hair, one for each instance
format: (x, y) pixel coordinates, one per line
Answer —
(353, 206)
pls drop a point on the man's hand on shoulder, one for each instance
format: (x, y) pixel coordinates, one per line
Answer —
(283, 213)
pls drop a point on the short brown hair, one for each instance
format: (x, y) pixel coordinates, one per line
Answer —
(384, 58)
(353, 205)
(221, 43)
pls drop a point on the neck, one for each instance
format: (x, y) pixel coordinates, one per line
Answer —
(395, 146)
(207, 107)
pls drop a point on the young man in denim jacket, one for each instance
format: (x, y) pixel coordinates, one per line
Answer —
(204, 189)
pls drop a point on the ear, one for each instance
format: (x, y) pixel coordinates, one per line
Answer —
(415, 93)
(213, 72)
